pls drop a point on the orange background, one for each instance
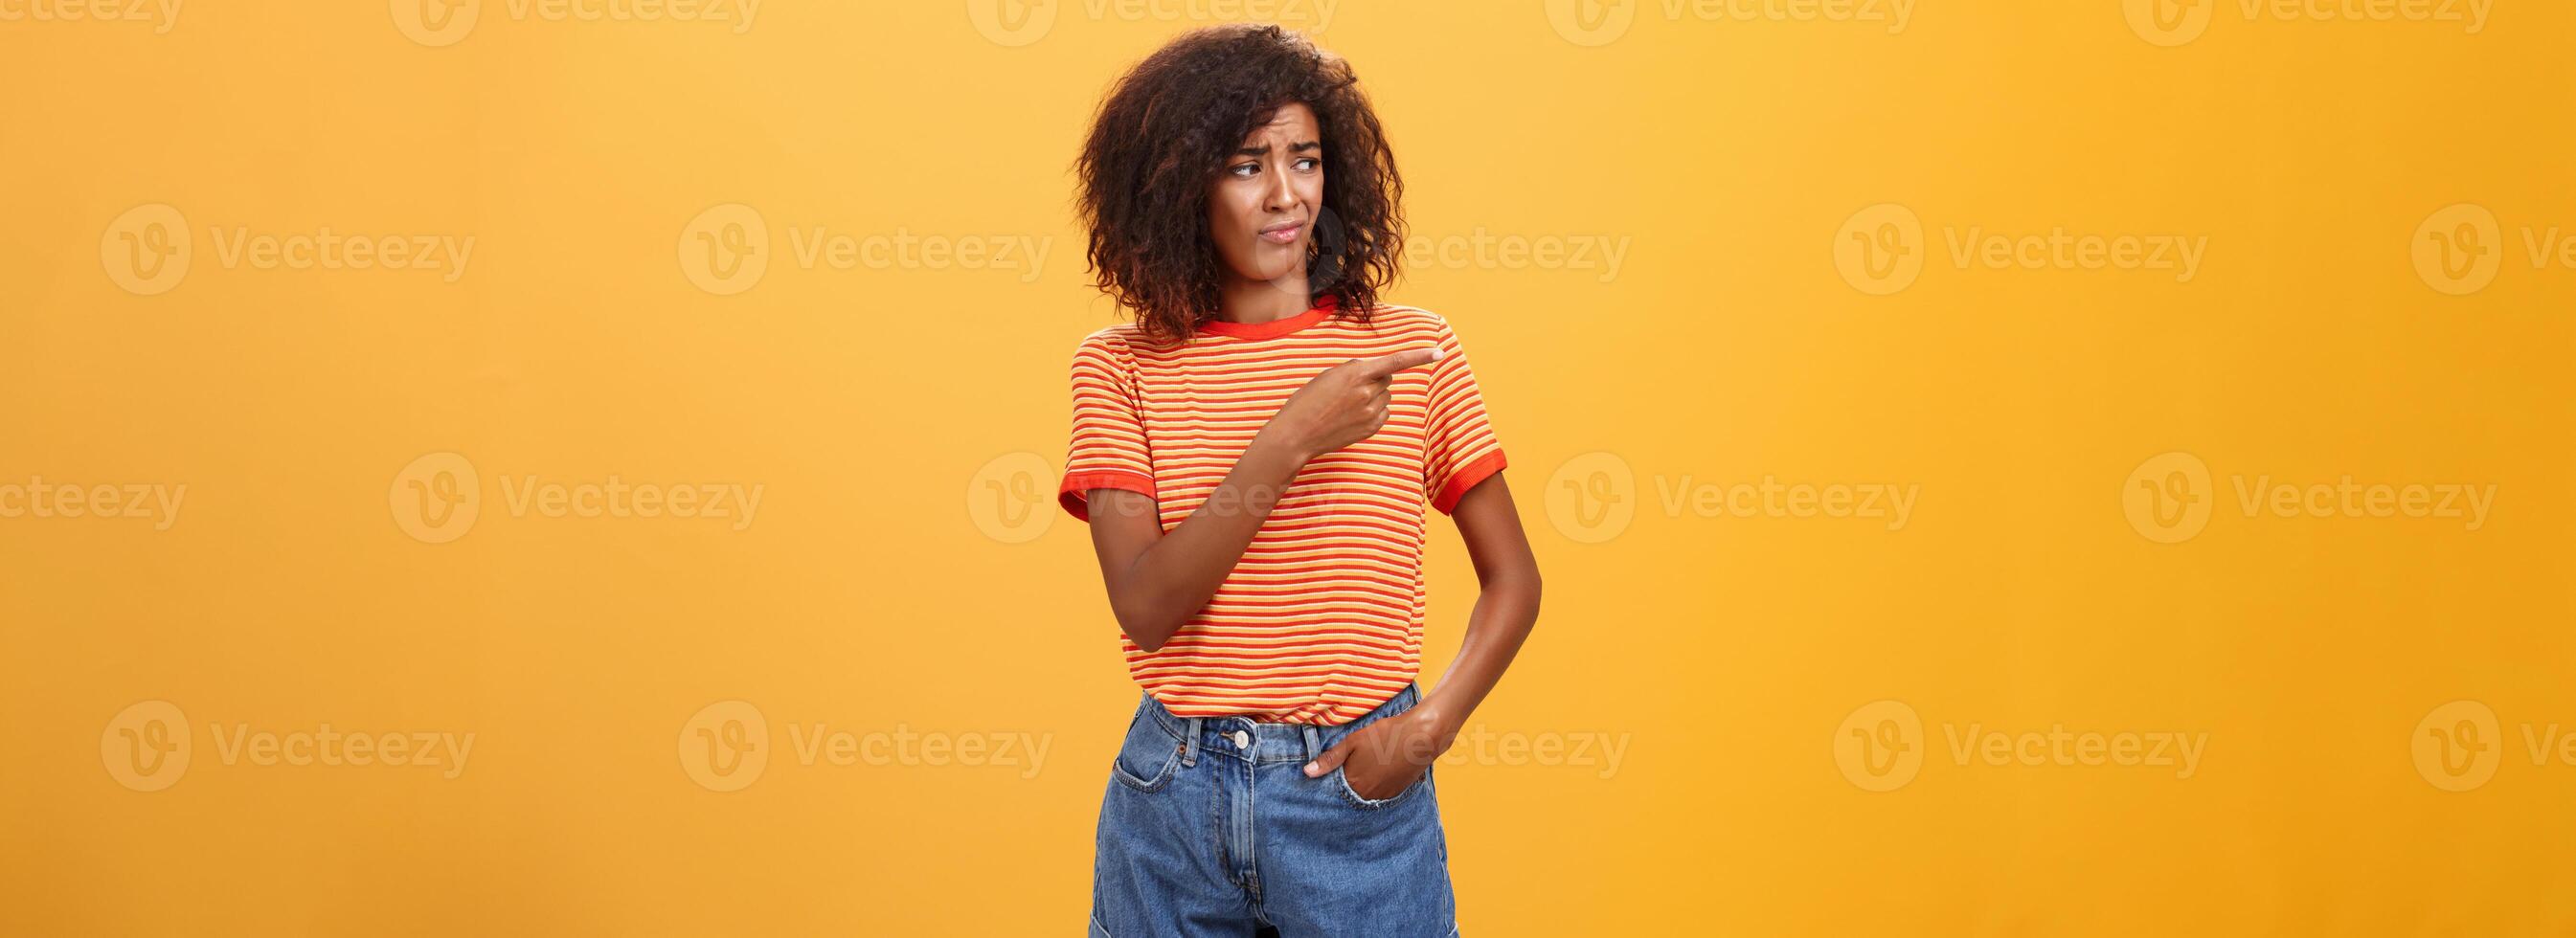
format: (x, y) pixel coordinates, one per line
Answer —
(902, 418)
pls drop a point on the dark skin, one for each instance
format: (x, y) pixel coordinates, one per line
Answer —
(1260, 211)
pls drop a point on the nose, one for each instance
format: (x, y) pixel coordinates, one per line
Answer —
(1279, 194)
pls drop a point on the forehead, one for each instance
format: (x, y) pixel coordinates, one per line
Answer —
(1293, 119)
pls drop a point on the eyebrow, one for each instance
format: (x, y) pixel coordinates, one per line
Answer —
(1264, 149)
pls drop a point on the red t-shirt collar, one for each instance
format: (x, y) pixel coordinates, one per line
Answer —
(1273, 329)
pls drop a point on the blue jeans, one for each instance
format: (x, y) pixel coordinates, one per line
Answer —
(1211, 827)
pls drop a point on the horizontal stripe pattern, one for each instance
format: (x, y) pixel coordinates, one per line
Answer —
(1321, 621)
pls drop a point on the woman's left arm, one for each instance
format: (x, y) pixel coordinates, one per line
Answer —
(1385, 757)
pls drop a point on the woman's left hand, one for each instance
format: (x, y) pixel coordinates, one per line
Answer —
(1382, 759)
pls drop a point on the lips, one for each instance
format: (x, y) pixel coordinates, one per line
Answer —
(1282, 234)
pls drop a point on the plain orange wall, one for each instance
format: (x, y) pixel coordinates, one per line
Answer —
(768, 255)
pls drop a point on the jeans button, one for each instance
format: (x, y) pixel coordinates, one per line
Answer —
(1242, 740)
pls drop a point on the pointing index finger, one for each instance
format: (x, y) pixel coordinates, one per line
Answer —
(1386, 365)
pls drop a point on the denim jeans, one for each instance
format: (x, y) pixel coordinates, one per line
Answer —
(1211, 827)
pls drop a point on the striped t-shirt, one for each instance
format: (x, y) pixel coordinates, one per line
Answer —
(1321, 621)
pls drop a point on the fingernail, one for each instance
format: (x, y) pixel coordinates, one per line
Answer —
(1313, 770)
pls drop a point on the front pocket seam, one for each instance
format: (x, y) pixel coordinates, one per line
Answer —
(1163, 776)
(1352, 795)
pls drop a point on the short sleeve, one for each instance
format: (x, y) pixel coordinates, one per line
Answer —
(1460, 450)
(1108, 450)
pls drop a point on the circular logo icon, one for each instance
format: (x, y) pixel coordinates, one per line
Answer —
(725, 746)
(436, 23)
(2168, 497)
(1592, 497)
(1012, 22)
(1011, 498)
(146, 250)
(2169, 23)
(2458, 249)
(725, 249)
(2458, 745)
(436, 498)
(145, 747)
(1879, 249)
(1879, 747)
(1591, 22)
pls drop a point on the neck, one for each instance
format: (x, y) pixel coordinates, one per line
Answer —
(1253, 302)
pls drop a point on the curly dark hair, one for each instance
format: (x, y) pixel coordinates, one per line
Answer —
(1161, 139)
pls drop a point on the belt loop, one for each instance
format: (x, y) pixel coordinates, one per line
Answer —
(1314, 743)
(1190, 742)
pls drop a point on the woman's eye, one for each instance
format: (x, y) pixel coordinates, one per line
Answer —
(1309, 164)
(1246, 169)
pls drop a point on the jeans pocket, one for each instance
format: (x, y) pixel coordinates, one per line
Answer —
(1147, 758)
(1352, 795)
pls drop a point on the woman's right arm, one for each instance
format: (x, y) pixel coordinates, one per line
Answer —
(1158, 579)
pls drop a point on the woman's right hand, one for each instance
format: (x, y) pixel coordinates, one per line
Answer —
(1344, 405)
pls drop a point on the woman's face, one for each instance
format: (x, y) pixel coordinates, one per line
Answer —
(1262, 209)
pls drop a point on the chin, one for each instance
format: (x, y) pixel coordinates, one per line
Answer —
(1279, 260)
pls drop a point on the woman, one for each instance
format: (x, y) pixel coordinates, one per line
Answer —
(1253, 454)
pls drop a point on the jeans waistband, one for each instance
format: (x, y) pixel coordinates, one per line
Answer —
(1264, 743)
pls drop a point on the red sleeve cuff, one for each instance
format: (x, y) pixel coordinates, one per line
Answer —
(1075, 496)
(1465, 479)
